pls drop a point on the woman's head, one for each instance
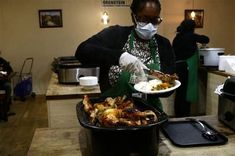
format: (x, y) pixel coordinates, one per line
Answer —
(138, 5)
(186, 25)
(146, 17)
(147, 11)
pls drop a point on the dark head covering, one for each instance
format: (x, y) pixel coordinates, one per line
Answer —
(186, 25)
(138, 5)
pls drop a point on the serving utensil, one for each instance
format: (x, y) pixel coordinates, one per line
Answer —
(206, 133)
(149, 72)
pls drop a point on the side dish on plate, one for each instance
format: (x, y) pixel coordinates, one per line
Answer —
(158, 83)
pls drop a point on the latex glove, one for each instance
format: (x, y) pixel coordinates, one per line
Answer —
(131, 63)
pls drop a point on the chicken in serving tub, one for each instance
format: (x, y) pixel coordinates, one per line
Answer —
(118, 111)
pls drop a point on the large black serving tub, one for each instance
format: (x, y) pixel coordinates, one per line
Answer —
(122, 141)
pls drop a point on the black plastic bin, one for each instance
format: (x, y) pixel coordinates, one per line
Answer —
(122, 141)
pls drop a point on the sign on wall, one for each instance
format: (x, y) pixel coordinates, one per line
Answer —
(116, 3)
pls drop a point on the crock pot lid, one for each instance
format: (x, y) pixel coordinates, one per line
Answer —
(229, 94)
(213, 49)
(67, 58)
(77, 65)
(69, 63)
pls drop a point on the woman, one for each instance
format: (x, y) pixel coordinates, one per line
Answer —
(123, 51)
(185, 48)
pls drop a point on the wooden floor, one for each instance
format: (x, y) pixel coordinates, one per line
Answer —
(16, 134)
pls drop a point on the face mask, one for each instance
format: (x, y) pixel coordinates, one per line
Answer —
(147, 31)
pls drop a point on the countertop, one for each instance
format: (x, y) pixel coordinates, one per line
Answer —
(72, 141)
(56, 90)
(214, 70)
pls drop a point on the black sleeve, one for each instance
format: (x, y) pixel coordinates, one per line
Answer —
(9, 68)
(6, 66)
(201, 38)
(102, 48)
(167, 56)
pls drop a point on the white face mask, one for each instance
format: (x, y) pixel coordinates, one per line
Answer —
(146, 31)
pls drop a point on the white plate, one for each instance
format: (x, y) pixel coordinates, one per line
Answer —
(88, 81)
(141, 87)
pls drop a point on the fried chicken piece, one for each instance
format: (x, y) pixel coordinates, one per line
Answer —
(164, 77)
(87, 104)
(126, 104)
(89, 109)
(138, 115)
(128, 122)
(110, 117)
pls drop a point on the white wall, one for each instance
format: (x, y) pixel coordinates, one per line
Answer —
(218, 20)
(21, 36)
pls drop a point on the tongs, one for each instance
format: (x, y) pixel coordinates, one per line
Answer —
(206, 133)
(148, 72)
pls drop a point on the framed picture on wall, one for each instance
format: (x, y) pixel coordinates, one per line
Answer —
(196, 15)
(50, 18)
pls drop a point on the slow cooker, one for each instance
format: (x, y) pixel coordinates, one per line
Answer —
(69, 70)
(226, 110)
(210, 56)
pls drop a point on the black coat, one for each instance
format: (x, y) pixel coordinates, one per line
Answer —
(5, 66)
(105, 48)
(185, 44)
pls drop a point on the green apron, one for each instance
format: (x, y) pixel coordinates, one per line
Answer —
(192, 88)
(123, 87)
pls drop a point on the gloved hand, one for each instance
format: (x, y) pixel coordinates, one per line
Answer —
(132, 64)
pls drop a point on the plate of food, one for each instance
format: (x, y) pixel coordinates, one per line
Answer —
(158, 83)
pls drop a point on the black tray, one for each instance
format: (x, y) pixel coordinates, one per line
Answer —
(188, 134)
